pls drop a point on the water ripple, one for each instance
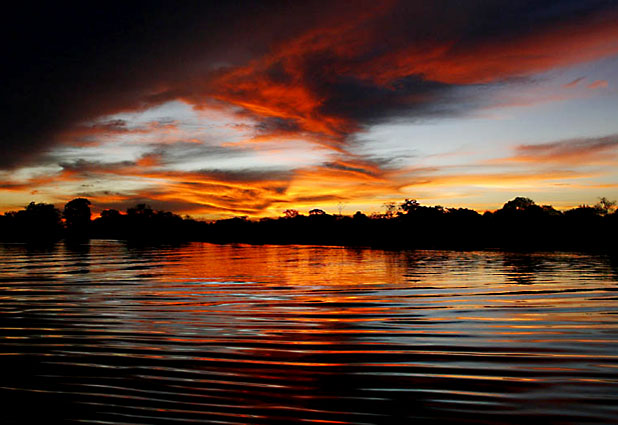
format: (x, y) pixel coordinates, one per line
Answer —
(237, 334)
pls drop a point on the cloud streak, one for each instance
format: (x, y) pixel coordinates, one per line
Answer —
(583, 151)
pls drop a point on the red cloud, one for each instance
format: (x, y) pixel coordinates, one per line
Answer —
(317, 82)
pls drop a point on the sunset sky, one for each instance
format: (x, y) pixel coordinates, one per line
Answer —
(217, 109)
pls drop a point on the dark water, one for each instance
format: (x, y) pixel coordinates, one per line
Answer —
(243, 334)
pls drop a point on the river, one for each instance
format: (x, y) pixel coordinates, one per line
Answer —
(234, 334)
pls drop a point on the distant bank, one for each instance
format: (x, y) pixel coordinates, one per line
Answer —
(520, 224)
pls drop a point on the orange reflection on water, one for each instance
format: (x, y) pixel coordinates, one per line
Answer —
(285, 333)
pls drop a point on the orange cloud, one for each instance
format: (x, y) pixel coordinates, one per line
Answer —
(597, 84)
(149, 160)
(495, 59)
(330, 81)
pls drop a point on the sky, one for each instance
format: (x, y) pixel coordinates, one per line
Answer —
(219, 109)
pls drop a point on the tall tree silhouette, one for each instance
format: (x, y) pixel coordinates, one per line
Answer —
(77, 218)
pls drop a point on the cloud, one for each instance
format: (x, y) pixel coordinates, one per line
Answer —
(366, 68)
(574, 83)
(208, 190)
(503, 180)
(241, 191)
(583, 151)
(328, 71)
(64, 65)
(597, 84)
(97, 133)
(314, 75)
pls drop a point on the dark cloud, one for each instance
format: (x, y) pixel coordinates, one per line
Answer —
(271, 125)
(318, 198)
(367, 103)
(131, 200)
(84, 167)
(157, 155)
(111, 126)
(180, 152)
(359, 63)
(353, 167)
(64, 63)
(248, 175)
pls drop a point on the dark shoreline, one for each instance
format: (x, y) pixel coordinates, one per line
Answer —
(520, 225)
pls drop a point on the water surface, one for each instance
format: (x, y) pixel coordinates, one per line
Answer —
(234, 334)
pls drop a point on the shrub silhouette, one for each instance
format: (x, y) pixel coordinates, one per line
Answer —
(520, 224)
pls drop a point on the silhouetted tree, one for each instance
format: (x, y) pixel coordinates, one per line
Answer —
(521, 208)
(409, 205)
(463, 213)
(39, 222)
(77, 218)
(358, 215)
(518, 204)
(605, 206)
(548, 210)
(519, 224)
(110, 214)
(140, 210)
(390, 208)
(290, 213)
(111, 224)
(583, 211)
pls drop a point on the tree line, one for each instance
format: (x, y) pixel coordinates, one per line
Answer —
(519, 224)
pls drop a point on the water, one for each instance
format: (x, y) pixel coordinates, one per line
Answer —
(281, 334)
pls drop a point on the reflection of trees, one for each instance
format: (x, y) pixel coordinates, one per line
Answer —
(523, 269)
(613, 263)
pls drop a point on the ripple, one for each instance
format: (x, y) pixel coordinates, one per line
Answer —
(280, 334)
